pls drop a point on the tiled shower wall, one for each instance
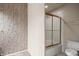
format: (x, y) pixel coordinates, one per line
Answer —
(13, 28)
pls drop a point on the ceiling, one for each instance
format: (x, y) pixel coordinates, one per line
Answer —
(53, 6)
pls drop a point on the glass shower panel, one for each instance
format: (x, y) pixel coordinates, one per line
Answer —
(48, 30)
(48, 22)
(48, 39)
(56, 30)
(56, 23)
(56, 37)
(52, 30)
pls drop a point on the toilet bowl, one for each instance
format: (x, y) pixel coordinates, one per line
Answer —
(71, 52)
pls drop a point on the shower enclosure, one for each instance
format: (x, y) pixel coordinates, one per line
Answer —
(52, 30)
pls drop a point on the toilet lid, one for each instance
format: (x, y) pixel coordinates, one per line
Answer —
(71, 52)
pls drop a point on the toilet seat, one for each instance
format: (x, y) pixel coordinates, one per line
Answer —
(71, 52)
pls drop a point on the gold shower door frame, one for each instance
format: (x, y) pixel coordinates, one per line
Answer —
(53, 30)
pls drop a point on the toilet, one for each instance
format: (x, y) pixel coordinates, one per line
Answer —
(71, 52)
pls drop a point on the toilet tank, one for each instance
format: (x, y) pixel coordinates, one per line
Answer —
(73, 45)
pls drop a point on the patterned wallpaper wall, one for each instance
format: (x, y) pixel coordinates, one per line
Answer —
(13, 27)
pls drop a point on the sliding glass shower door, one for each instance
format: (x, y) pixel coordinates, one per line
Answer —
(52, 30)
